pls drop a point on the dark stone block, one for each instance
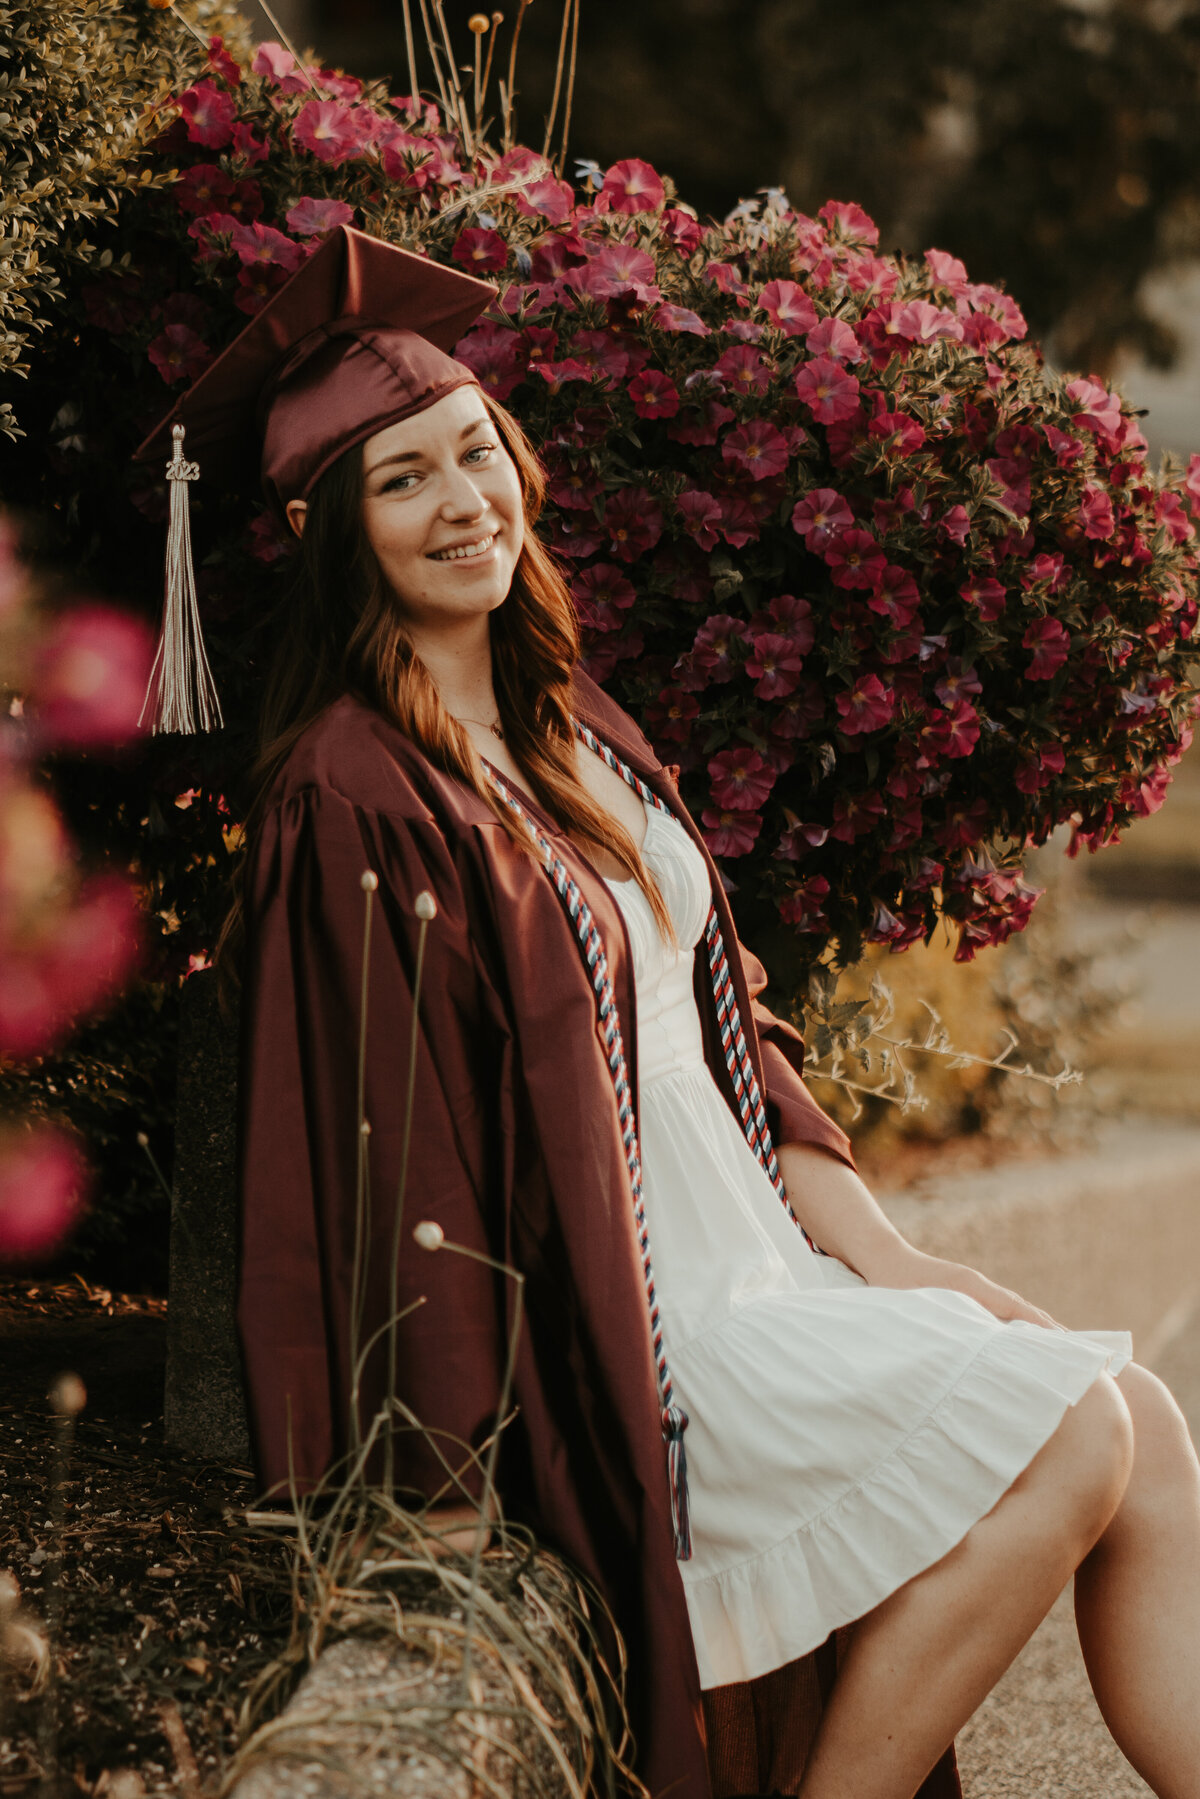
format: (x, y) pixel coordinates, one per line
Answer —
(205, 1393)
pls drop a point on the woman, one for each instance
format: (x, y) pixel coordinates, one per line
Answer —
(871, 1435)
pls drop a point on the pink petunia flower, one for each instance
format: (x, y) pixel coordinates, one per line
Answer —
(679, 318)
(479, 251)
(178, 354)
(833, 337)
(1096, 513)
(621, 269)
(868, 706)
(920, 322)
(602, 594)
(819, 516)
(310, 216)
(848, 222)
(493, 353)
(896, 595)
(956, 525)
(44, 1182)
(273, 61)
(788, 307)
(741, 779)
(804, 906)
(548, 198)
(654, 395)
(986, 594)
(248, 144)
(897, 432)
(634, 521)
(598, 353)
(775, 664)
(701, 515)
(827, 390)
(854, 814)
(209, 114)
(1097, 411)
(946, 270)
(729, 832)
(965, 823)
(670, 716)
(756, 447)
(89, 679)
(1050, 642)
(743, 370)
(263, 244)
(329, 131)
(711, 654)
(202, 188)
(725, 278)
(682, 229)
(854, 559)
(630, 186)
(220, 61)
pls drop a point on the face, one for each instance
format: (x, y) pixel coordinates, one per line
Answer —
(442, 511)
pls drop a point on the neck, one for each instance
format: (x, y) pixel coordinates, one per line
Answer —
(460, 664)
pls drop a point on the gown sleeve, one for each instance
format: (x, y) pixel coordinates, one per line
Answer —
(300, 1172)
(792, 1113)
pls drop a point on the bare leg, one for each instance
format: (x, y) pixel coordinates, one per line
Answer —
(1137, 1599)
(923, 1660)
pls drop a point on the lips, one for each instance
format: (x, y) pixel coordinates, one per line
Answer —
(464, 552)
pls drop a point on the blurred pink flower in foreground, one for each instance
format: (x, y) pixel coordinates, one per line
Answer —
(43, 1186)
(89, 679)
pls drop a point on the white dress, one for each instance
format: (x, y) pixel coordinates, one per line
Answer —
(842, 1437)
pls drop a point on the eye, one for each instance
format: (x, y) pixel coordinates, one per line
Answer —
(478, 454)
(397, 484)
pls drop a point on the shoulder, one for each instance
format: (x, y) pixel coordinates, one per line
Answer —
(353, 753)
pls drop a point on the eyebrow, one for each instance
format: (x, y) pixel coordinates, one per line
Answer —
(416, 455)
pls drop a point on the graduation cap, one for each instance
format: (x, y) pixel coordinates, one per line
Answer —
(357, 339)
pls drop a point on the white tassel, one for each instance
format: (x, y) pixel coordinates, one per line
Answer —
(181, 694)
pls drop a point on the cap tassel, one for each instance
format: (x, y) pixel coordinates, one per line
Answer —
(181, 694)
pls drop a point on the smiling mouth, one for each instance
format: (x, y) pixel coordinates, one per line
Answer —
(464, 552)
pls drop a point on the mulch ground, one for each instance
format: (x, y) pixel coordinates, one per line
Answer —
(167, 1606)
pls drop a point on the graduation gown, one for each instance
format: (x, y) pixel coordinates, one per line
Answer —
(515, 1152)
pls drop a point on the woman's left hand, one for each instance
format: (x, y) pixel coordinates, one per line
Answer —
(919, 1270)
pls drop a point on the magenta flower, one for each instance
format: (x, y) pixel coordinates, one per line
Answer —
(114, 304)
(946, 270)
(986, 594)
(741, 779)
(263, 244)
(1050, 642)
(310, 217)
(602, 595)
(966, 822)
(89, 679)
(922, 323)
(757, 448)
(635, 522)
(1170, 513)
(725, 279)
(711, 654)
(598, 354)
(848, 222)
(1096, 513)
(220, 61)
(898, 433)
(1191, 482)
(178, 354)
(268, 540)
(670, 716)
(1098, 411)
(956, 525)
(804, 906)
(257, 283)
(621, 269)
(654, 395)
(493, 352)
(793, 617)
(896, 596)
(775, 663)
(827, 390)
(683, 229)
(701, 515)
(854, 559)
(678, 318)
(209, 114)
(743, 371)
(202, 188)
(729, 832)
(788, 307)
(833, 337)
(248, 144)
(854, 814)
(630, 186)
(800, 713)
(549, 199)
(819, 516)
(480, 252)
(278, 65)
(329, 131)
(700, 425)
(43, 1187)
(868, 706)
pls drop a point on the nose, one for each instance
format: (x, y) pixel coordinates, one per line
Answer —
(462, 499)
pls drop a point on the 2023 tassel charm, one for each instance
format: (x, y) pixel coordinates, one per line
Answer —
(181, 694)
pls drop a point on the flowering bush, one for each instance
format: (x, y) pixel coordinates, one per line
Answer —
(68, 942)
(894, 598)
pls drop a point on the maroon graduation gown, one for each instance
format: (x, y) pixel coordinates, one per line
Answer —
(516, 1152)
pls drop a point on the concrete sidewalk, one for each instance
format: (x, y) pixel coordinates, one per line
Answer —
(1038, 1735)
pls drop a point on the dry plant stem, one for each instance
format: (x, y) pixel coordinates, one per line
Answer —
(570, 96)
(406, 1141)
(493, 36)
(563, 38)
(144, 1144)
(410, 49)
(509, 94)
(64, 1436)
(460, 105)
(478, 89)
(435, 58)
(287, 43)
(362, 1190)
(188, 26)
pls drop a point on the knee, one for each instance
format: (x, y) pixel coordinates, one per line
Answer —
(1096, 1439)
(1164, 1456)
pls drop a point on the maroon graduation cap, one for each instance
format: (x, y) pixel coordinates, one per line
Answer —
(356, 340)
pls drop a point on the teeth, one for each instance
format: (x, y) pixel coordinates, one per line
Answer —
(466, 549)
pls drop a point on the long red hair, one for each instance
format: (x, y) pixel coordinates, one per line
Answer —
(343, 632)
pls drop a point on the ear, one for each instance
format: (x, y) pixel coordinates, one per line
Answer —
(297, 512)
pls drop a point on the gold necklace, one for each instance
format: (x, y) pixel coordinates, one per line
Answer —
(494, 728)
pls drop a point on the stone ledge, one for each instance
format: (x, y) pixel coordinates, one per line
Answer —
(1106, 1239)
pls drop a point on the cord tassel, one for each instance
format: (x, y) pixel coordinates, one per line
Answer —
(674, 1423)
(181, 694)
